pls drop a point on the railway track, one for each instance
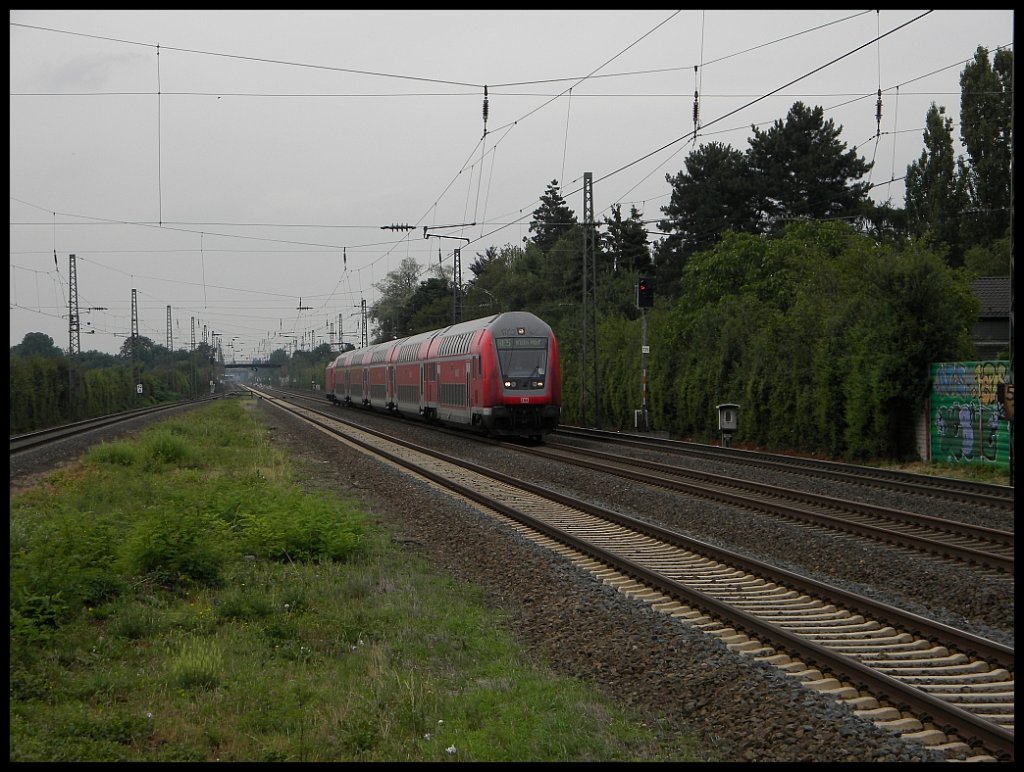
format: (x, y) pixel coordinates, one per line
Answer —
(999, 497)
(945, 688)
(44, 437)
(988, 549)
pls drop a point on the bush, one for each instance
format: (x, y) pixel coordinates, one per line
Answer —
(178, 550)
(292, 527)
(164, 447)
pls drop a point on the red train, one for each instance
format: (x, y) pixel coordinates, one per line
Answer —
(499, 375)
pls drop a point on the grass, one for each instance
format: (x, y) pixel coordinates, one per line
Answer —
(177, 598)
(995, 475)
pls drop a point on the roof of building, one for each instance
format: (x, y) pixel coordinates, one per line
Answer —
(994, 294)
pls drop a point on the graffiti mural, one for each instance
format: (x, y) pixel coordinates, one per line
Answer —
(969, 423)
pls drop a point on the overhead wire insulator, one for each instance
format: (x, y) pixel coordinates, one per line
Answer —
(878, 114)
(485, 111)
(696, 104)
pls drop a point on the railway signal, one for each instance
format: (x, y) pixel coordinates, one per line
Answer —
(644, 293)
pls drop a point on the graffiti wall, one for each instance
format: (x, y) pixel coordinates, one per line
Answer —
(968, 414)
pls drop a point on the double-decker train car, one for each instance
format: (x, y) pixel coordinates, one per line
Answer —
(499, 375)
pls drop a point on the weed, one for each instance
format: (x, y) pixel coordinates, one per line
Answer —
(119, 453)
(135, 622)
(198, 664)
(163, 447)
(177, 550)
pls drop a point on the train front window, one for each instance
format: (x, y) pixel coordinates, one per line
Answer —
(523, 361)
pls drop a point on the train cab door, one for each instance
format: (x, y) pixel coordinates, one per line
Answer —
(476, 396)
(366, 386)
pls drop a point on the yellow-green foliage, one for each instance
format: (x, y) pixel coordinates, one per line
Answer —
(117, 453)
(196, 663)
(177, 548)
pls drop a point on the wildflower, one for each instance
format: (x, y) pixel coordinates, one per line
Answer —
(450, 749)
(440, 721)
(426, 736)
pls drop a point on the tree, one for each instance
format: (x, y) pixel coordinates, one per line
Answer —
(993, 260)
(97, 359)
(36, 344)
(935, 192)
(626, 241)
(430, 307)
(323, 353)
(561, 268)
(823, 335)
(715, 194)
(986, 129)
(883, 222)
(38, 395)
(395, 291)
(479, 266)
(552, 219)
(511, 281)
(138, 348)
(801, 170)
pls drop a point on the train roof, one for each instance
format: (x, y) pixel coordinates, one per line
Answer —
(496, 322)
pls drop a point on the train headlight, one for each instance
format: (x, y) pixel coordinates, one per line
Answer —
(538, 384)
(509, 384)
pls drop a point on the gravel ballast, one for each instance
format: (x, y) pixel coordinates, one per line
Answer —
(675, 677)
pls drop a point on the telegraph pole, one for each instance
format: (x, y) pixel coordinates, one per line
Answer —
(456, 271)
(644, 300)
(588, 376)
(192, 360)
(365, 338)
(75, 340)
(136, 379)
(644, 350)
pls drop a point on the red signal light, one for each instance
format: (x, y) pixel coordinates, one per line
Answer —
(644, 293)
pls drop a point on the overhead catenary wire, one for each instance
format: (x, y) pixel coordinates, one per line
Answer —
(590, 76)
(483, 153)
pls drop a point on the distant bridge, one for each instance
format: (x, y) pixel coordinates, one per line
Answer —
(250, 365)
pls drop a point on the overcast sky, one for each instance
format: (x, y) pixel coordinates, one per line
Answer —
(237, 166)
